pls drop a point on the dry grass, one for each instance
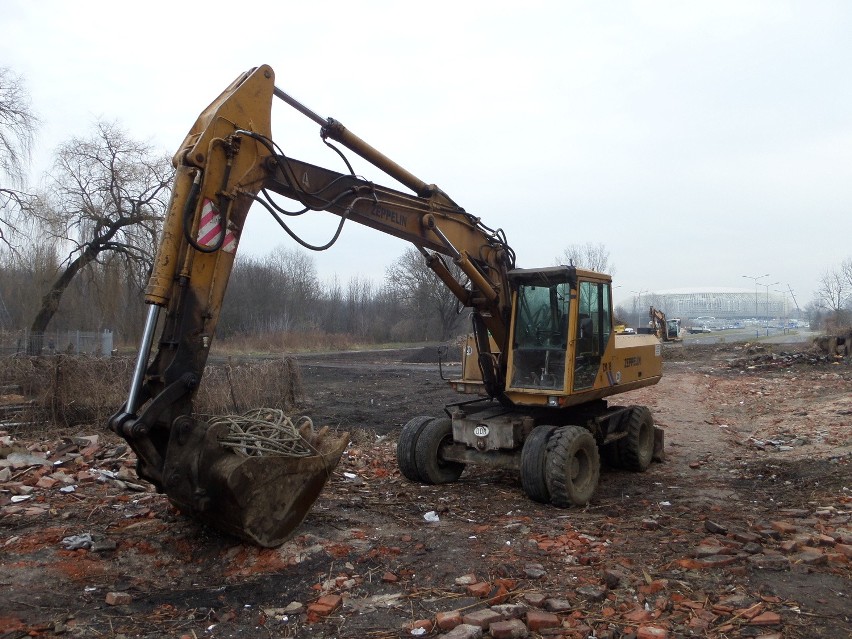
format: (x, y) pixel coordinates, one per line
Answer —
(67, 390)
(75, 390)
(283, 342)
(235, 389)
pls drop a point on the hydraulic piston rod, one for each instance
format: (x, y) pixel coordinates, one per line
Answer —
(142, 359)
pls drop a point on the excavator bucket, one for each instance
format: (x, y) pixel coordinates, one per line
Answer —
(258, 496)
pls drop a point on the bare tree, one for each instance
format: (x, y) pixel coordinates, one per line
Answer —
(18, 125)
(594, 257)
(846, 271)
(427, 298)
(107, 195)
(275, 293)
(835, 293)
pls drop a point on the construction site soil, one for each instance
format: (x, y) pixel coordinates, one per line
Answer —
(743, 531)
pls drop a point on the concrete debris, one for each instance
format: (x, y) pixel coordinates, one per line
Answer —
(76, 542)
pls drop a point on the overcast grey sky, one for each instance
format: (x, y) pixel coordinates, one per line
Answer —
(699, 141)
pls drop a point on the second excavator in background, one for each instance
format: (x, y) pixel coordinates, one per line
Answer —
(664, 328)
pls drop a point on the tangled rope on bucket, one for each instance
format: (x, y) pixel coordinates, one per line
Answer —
(266, 432)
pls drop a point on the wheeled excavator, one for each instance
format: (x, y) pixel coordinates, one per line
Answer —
(666, 329)
(537, 368)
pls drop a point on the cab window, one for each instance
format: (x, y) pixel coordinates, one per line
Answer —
(594, 326)
(540, 340)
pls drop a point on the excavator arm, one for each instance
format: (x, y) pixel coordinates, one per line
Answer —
(226, 164)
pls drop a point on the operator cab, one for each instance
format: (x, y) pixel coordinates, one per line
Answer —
(554, 309)
(540, 335)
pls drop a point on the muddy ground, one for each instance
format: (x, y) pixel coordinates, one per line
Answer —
(744, 530)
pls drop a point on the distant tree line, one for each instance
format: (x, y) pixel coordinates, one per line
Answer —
(280, 292)
(75, 253)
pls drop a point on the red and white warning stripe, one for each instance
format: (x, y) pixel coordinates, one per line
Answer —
(210, 229)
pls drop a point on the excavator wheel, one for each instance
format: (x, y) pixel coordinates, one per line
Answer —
(636, 451)
(533, 463)
(405, 447)
(431, 468)
(573, 466)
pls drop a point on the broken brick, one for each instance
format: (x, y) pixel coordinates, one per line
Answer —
(498, 595)
(790, 545)
(482, 618)
(557, 605)
(424, 624)
(746, 537)
(767, 618)
(510, 611)
(637, 615)
(46, 482)
(448, 620)
(464, 631)
(825, 540)
(592, 593)
(118, 599)
(652, 632)
(810, 557)
(325, 605)
(539, 619)
(713, 527)
(480, 590)
(785, 528)
(512, 629)
(535, 599)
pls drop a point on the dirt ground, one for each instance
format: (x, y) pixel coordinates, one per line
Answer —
(744, 531)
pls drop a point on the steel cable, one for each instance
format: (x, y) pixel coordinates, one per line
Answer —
(266, 432)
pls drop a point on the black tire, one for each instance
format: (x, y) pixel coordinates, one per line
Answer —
(533, 461)
(611, 455)
(406, 445)
(573, 466)
(636, 451)
(430, 467)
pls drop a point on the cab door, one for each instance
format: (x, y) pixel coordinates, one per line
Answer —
(592, 331)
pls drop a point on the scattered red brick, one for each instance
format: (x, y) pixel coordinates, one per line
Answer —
(448, 620)
(118, 599)
(539, 619)
(767, 618)
(652, 632)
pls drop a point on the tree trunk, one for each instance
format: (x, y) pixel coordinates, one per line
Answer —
(50, 302)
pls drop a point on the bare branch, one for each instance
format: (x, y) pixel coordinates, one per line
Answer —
(594, 257)
(108, 193)
(18, 125)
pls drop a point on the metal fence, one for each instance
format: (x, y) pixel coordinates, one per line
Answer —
(98, 344)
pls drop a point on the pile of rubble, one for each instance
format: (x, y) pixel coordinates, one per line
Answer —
(759, 359)
(28, 472)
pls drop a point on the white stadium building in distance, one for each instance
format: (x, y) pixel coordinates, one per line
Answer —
(712, 304)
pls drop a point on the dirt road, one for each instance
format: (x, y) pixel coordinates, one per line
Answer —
(744, 531)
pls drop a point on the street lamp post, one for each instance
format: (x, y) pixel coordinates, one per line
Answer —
(768, 317)
(639, 306)
(755, 278)
(784, 308)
